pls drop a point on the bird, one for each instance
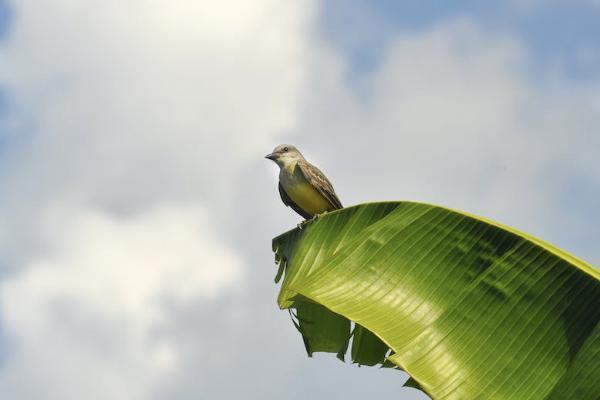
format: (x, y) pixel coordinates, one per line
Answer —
(302, 186)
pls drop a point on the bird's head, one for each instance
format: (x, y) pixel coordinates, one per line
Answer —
(285, 154)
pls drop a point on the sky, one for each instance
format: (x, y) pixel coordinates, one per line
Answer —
(137, 209)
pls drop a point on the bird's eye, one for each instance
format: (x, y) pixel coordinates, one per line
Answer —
(285, 149)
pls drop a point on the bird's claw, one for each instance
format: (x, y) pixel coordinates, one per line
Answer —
(317, 216)
(306, 221)
(301, 224)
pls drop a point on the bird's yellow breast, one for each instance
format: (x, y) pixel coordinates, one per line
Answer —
(303, 193)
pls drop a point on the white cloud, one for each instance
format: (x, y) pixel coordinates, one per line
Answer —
(145, 99)
(83, 320)
(452, 116)
(126, 112)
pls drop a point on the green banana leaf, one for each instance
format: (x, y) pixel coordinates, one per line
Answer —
(469, 308)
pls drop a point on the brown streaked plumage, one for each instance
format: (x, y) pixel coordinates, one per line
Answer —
(302, 186)
(319, 181)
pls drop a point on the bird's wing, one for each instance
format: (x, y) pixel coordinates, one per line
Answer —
(290, 203)
(319, 181)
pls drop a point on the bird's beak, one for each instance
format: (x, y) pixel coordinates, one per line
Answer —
(271, 156)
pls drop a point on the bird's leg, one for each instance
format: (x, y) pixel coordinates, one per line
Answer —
(301, 224)
(313, 218)
(316, 216)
